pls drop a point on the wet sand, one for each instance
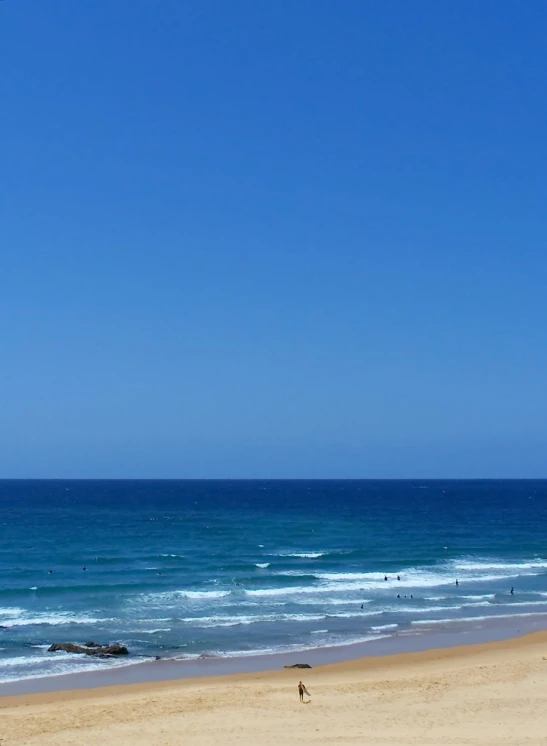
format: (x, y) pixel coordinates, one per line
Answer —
(489, 694)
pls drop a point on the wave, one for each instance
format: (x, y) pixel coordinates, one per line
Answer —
(182, 593)
(172, 556)
(262, 565)
(300, 555)
(296, 648)
(493, 617)
(10, 611)
(204, 594)
(37, 666)
(54, 621)
(150, 631)
(384, 626)
(230, 621)
(483, 596)
(487, 564)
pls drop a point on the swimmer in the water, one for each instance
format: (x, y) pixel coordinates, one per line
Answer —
(385, 577)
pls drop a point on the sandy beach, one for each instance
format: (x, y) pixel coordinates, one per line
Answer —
(491, 694)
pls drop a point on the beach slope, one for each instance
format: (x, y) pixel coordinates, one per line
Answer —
(492, 695)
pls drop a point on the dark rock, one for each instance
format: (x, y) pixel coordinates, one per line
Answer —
(298, 665)
(102, 652)
(92, 645)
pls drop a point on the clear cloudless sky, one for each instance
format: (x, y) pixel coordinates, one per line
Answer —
(273, 238)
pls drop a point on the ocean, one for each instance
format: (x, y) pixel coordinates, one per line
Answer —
(191, 569)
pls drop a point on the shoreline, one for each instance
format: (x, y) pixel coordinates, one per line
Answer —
(455, 635)
(489, 694)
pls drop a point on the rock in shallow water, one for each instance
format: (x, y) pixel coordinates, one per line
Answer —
(98, 650)
(298, 665)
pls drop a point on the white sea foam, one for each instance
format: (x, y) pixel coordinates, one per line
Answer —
(301, 555)
(354, 576)
(153, 631)
(477, 565)
(22, 618)
(483, 596)
(232, 621)
(205, 595)
(354, 614)
(178, 594)
(38, 666)
(297, 648)
(384, 626)
(477, 618)
(263, 565)
(179, 556)
(10, 612)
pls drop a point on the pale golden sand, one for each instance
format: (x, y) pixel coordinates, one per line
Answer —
(492, 694)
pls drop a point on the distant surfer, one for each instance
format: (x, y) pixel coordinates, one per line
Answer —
(84, 568)
(50, 572)
(457, 582)
(398, 577)
(385, 577)
(362, 606)
(512, 591)
(302, 690)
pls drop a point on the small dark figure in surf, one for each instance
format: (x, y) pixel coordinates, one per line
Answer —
(84, 568)
(385, 577)
(398, 595)
(301, 691)
(512, 591)
(398, 577)
(362, 606)
(50, 572)
(411, 596)
(457, 582)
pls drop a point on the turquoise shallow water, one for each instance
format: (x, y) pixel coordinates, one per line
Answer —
(188, 569)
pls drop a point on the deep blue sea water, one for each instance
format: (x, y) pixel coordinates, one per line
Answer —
(227, 568)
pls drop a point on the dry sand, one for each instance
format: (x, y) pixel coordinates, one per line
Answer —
(491, 694)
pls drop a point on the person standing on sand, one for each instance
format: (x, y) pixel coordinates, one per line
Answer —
(301, 691)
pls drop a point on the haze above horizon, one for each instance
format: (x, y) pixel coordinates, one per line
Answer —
(273, 240)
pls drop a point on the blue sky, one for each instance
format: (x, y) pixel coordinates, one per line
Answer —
(273, 239)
